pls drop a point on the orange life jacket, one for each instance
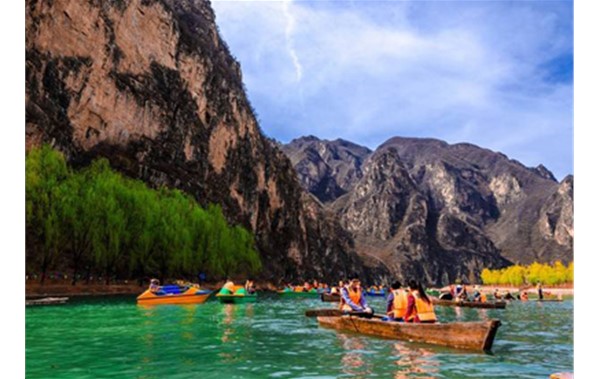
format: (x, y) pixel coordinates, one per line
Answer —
(400, 303)
(483, 298)
(354, 296)
(424, 310)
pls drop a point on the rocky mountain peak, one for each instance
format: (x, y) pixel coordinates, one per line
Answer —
(433, 200)
(544, 172)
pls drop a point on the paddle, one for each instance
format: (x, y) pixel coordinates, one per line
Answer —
(332, 312)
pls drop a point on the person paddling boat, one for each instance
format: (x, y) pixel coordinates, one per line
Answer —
(352, 298)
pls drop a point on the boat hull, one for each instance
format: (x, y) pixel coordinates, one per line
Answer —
(191, 296)
(237, 299)
(469, 304)
(461, 335)
(329, 298)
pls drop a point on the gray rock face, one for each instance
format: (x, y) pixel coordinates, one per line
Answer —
(150, 85)
(442, 212)
(328, 169)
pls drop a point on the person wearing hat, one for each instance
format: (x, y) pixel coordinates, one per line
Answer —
(353, 299)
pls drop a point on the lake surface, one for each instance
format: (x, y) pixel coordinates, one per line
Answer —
(115, 338)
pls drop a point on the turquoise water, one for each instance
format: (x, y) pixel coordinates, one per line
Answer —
(115, 338)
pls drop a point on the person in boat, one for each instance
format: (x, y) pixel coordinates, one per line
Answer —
(306, 287)
(461, 292)
(419, 307)
(249, 286)
(509, 296)
(228, 287)
(497, 294)
(397, 302)
(540, 291)
(524, 296)
(154, 285)
(476, 294)
(337, 289)
(353, 299)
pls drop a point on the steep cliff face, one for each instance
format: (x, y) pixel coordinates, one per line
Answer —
(150, 85)
(447, 211)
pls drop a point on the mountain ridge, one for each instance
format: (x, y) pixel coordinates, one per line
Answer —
(465, 199)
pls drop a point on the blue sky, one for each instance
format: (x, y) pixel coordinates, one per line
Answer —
(498, 74)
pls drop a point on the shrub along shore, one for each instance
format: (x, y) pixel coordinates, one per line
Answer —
(96, 223)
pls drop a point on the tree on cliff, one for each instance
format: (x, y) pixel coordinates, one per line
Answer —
(118, 227)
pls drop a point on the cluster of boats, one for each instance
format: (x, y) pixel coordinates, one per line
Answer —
(477, 335)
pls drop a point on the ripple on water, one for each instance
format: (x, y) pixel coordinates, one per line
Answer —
(114, 338)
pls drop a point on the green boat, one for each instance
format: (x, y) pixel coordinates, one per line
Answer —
(240, 296)
(289, 294)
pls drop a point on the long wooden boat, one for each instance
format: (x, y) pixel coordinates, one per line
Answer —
(298, 294)
(462, 335)
(330, 298)
(174, 295)
(47, 301)
(469, 304)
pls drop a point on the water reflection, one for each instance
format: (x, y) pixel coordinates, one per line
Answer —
(459, 312)
(234, 331)
(353, 361)
(483, 314)
(415, 360)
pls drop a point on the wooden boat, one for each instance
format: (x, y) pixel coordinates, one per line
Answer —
(462, 335)
(174, 294)
(47, 301)
(330, 298)
(238, 296)
(469, 304)
(298, 294)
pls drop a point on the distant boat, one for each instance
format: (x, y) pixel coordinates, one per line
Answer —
(330, 297)
(380, 293)
(288, 294)
(469, 304)
(174, 294)
(238, 296)
(47, 301)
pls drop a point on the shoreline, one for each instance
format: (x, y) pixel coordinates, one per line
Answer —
(36, 290)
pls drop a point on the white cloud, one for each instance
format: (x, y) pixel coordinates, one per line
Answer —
(369, 71)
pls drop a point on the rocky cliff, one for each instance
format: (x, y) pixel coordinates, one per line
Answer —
(443, 211)
(150, 85)
(328, 169)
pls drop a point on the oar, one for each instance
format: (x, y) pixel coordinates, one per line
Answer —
(332, 312)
